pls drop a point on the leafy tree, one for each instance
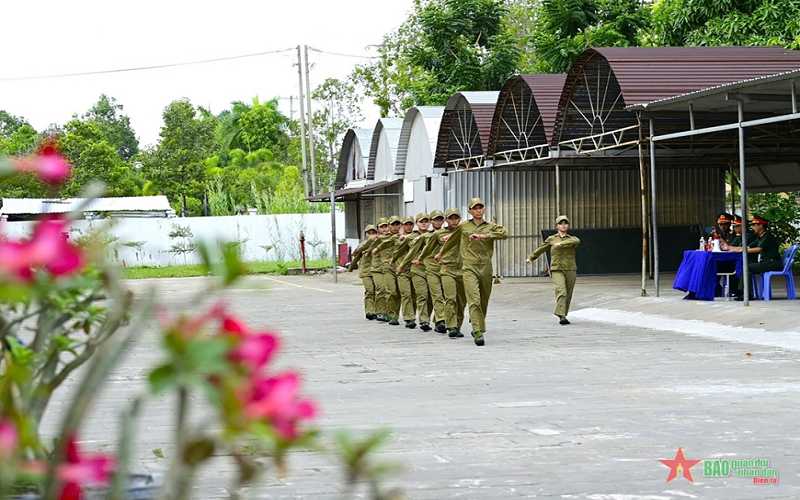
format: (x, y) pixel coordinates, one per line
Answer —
(337, 106)
(250, 127)
(783, 212)
(115, 128)
(733, 22)
(176, 166)
(21, 141)
(445, 46)
(562, 29)
(10, 123)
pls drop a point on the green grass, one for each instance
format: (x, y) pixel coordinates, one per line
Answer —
(189, 271)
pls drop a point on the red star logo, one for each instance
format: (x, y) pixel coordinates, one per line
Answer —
(680, 462)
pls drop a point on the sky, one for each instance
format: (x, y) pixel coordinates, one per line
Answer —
(57, 37)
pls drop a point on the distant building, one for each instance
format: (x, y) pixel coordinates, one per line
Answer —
(27, 209)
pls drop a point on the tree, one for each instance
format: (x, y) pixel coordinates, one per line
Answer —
(337, 106)
(115, 128)
(736, 22)
(562, 29)
(10, 123)
(445, 46)
(176, 166)
(250, 127)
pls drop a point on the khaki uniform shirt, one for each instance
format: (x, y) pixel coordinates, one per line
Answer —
(450, 258)
(563, 256)
(365, 269)
(403, 248)
(415, 247)
(478, 252)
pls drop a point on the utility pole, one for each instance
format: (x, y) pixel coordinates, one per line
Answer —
(310, 127)
(302, 120)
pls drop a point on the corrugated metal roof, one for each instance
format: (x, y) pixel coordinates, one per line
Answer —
(526, 112)
(18, 206)
(354, 138)
(390, 129)
(603, 81)
(432, 117)
(352, 194)
(466, 125)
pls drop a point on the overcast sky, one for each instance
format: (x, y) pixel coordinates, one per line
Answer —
(54, 37)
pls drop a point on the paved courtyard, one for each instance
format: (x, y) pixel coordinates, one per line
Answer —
(583, 411)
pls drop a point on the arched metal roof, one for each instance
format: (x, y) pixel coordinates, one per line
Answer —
(522, 127)
(352, 164)
(429, 117)
(603, 81)
(463, 137)
(383, 149)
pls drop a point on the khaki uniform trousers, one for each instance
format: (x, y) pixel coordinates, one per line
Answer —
(369, 294)
(380, 292)
(454, 298)
(564, 283)
(392, 294)
(407, 305)
(478, 289)
(422, 296)
(436, 290)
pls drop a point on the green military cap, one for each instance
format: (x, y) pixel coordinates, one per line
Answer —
(383, 222)
(422, 215)
(452, 211)
(737, 220)
(369, 228)
(407, 218)
(394, 218)
(562, 217)
(436, 214)
(475, 201)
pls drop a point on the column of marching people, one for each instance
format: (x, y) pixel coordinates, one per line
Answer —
(427, 269)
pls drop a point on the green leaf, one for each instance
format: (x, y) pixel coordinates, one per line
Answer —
(162, 378)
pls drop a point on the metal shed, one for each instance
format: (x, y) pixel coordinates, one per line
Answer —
(352, 161)
(423, 188)
(383, 150)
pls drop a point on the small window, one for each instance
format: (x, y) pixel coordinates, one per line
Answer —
(428, 183)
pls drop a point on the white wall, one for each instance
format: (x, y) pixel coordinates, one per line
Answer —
(252, 231)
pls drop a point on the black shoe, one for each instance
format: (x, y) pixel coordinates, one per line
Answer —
(563, 321)
(411, 324)
(425, 327)
(394, 321)
(478, 337)
(738, 298)
(441, 327)
(371, 316)
(454, 333)
(382, 317)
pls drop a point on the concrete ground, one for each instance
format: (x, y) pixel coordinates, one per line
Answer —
(584, 411)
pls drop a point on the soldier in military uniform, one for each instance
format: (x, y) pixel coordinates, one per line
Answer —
(384, 250)
(377, 270)
(365, 270)
(427, 247)
(477, 237)
(763, 253)
(724, 220)
(563, 267)
(418, 278)
(452, 279)
(404, 283)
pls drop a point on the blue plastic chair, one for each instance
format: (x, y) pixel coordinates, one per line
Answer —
(788, 260)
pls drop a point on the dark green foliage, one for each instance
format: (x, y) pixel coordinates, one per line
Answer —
(783, 212)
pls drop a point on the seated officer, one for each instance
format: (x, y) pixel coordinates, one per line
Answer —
(762, 251)
(724, 220)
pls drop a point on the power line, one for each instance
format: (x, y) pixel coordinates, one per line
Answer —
(143, 68)
(340, 54)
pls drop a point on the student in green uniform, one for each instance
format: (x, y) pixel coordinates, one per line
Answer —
(404, 284)
(377, 270)
(365, 270)
(763, 253)
(477, 237)
(384, 250)
(430, 245)
(418, 278)
(450, 274)
(563, 267)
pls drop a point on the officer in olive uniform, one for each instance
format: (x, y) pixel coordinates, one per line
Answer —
(377, 270)
(477, 247)
(365, 270)
(384, 249)
(450, 273)
(724, 220)
(563, 267)
(763, 248)
(418, 279)
(404, 284)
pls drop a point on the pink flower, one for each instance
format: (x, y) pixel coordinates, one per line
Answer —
(48, 164)
(189, 327)
(275, 399)
(9, 439)
(252, 349)
(86, 469)
(47, 248)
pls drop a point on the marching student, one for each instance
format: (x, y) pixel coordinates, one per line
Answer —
(418, 272)
(563, 267)
(365, 271)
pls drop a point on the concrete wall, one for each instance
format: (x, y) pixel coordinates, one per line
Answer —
(253, 232)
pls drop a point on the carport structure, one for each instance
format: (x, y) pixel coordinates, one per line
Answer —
(755, 121)
(599, 141)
